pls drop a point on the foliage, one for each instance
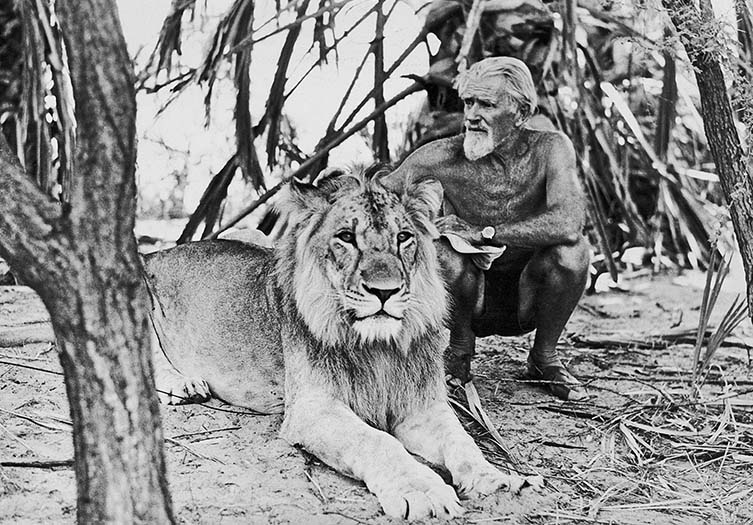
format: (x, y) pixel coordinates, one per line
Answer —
(36, 98)
(610, 75)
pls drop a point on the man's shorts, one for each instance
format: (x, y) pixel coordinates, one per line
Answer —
(502, 296)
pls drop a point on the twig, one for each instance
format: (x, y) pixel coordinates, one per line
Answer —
(10, 363)
(316, 485)
(249, 41)
(210, 431)
(30, 419)
(192, 451)
(17, 439)
(568, 516)
(338, 513)
(37, 463)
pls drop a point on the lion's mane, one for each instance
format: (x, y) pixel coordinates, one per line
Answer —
(376, 378)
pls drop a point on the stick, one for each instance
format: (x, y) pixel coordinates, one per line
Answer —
(210, 431)
(47, 464)
(338, 513)
(30, 419)
(10, 363)
(192, 451)
(316, 485)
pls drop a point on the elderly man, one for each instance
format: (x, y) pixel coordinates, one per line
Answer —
(507, 184)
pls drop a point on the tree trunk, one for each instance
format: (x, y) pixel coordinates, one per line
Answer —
(716, 109)
(81, 258)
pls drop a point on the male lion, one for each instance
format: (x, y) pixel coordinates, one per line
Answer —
(352, 302)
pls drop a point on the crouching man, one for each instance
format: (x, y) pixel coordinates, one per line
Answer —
(507, 184)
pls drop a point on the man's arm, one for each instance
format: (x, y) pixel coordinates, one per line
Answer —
(563, 218)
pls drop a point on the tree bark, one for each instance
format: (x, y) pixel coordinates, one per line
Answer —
(716, 109)
(82, 261)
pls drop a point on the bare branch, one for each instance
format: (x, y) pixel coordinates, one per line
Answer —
(321, 153)
(28, 219)
(250, 42)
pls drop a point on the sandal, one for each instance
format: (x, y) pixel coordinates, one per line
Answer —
(457, 367)
(561, 382)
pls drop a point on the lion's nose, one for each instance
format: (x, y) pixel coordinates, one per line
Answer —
(382, 293)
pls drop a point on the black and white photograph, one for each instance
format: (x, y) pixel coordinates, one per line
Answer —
(376, 261)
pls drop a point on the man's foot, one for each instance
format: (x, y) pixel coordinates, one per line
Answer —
(457, 367)
(558, 379)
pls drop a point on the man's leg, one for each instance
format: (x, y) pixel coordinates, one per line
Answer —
(465, 282)
(550, 287)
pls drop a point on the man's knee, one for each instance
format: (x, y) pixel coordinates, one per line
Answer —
(563, 264)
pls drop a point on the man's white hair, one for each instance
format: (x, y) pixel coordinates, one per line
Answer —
(515, 81)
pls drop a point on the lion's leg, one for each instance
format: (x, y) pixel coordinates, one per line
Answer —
(174, 388)
(436, 435)
(334, 433)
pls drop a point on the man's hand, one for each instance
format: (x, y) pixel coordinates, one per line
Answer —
(456, 225)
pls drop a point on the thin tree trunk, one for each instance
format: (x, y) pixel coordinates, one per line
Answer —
(724, 142)
(381, 144)
(82, 261)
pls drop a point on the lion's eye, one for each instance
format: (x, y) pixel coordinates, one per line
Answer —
(404, 236)
(347, 236)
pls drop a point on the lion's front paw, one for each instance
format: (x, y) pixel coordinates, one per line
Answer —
(173, 388)
(483, 479)
(419, 495)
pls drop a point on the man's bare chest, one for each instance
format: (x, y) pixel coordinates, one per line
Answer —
(486, 192)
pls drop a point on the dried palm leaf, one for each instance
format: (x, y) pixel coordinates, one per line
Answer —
(170, 37)
(210, 203)
(39, 99)
(737, 311)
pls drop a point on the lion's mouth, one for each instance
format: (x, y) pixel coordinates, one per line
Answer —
(381, 314)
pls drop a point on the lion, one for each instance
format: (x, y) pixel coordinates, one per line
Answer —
(342, 323)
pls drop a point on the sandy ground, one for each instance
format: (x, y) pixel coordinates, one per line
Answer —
(600, 464)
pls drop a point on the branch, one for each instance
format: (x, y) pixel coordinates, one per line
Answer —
(321, 153)
(28, 218)
(408, 50)
(381, 144)
(250, 42)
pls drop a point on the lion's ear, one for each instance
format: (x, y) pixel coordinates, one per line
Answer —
(301, 199)
(425, 196)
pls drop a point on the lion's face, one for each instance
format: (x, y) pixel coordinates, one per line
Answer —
(372, 252)
(365, 265)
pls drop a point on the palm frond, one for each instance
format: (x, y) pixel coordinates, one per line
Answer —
(211, 202)
(37, 105)
(169, 41)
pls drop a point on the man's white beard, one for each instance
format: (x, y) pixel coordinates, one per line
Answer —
(477, 144)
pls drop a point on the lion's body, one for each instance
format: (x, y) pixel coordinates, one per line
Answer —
(230, 339)
(353, 303)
